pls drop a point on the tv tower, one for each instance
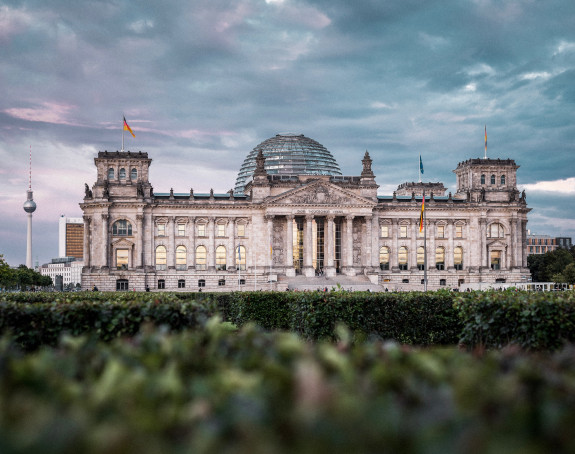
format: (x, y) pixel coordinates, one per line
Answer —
(29, 207)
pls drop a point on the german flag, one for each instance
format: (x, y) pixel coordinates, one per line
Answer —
(127, 128)
(421, 215)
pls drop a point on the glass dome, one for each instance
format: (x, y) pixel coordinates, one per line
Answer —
(288, 154)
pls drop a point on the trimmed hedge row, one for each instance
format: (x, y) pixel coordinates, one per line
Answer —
(532, 320)
(411, 318)
(536, 321)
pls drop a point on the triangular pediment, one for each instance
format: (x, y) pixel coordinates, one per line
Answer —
(123, 243)
(497, 243)
(320, 193)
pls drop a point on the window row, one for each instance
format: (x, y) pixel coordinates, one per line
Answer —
(122, 174)
(403, 260)
(123, 227)
(494, 179)
(495, 230)
(123, 284)
(161, 259)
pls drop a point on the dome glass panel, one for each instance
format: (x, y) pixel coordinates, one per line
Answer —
(288, 154)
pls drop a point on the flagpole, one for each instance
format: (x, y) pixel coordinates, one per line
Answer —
(239, 270)
(419, 170)
(123, 135)
(485, 155)
(424, 246)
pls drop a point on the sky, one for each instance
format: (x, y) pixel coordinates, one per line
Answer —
(202, 82)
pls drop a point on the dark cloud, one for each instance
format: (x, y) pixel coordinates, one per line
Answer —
(203, 82)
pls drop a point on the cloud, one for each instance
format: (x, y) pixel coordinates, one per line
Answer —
(564, 186)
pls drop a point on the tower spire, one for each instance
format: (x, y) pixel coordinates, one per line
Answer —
(29, 207)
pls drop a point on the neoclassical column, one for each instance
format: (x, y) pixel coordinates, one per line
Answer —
(375, 242)
(171, 242)
(192, 237)
(269, 227)
(330, 262)
(431, 246)
(212, 243)
(367, 243)
(140, 241)
(290, 270)
(394, 258)
(87, 242)
(231, 230)
(105, 240)
(308, 247)
(413, 244)
(349, 243)
(450, 241)
(514, 244)
(483, 243)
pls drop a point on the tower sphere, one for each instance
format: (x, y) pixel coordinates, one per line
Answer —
(288, 154)
(29, 204)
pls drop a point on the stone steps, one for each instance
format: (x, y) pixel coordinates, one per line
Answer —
(339, 282)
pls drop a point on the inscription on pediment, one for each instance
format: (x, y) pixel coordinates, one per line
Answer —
(319, 196)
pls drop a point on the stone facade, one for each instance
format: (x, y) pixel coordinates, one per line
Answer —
(301, 225)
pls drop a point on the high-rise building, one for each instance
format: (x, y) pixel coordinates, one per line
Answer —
(71, 237)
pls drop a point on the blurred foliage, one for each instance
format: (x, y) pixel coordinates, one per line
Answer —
(552, 266)
(216, 389)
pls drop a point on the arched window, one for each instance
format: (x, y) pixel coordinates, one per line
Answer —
(440, 258)
(122, 228)
(110, 174)
(241, 258)
(201, 255)
(384, 258)
(482, 179)
(502, 180)
(402, 258)
(495, 260)
(492, 179)
(181, 254)
(161, 258)
(420, 258)
(496, 231)
(134, 174)
(122, 174)
(458, 258)
(221, 258)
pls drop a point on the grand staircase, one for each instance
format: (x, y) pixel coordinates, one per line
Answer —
(339, 282)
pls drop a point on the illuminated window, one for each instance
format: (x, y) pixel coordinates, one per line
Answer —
(181, 254)
(241, 258)
(384, 231)
(161, 229)
(440, 231)
(221, 258)
(161, 258)
(458, 258)
(458, 231)
(122, 228)
(241, 230)
(122, 258)
(402, 258)
(201, 229)
(420, 258)
(495, 260)
(440, 258)
(221, 230)
(403, 231)
(181, 229)
(384, 258)
(201, 255)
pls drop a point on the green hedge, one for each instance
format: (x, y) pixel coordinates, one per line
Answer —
(216, 391)
(531, 320)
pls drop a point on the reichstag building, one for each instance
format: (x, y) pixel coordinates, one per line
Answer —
(294, 221)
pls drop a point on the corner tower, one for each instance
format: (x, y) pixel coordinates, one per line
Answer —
(489, 180)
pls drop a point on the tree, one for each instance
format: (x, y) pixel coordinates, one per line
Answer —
(545, 267)
(7, 274)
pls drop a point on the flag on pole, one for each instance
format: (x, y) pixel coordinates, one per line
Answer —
(420, 165)
(127, 128)
(239, 253)
(421, 215)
